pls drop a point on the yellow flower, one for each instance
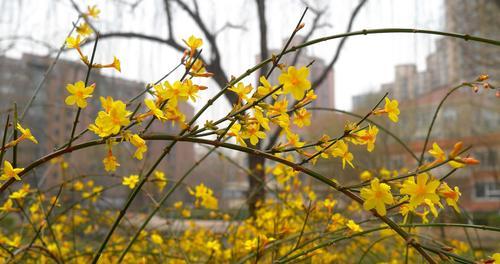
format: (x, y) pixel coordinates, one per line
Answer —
(15, 242)
(173, 114)
(266, 87)
(420, 190)
(437, 153)
(204, 196)
(457, 161)
(263, 121)
(282, 120)
(78, 186)
(7, 207)
(186, 213)
(79, 94)
(214, 245)
(10, 172)
(365, 175)
(384, 173)
(451, 195)
(496, 258)
(84, 29)
(377, 196)
(157, 239)
(107, 103)
(252, 132)
(391, 108)
(329, 204)
(110, 162)
(353, 226)
(192, 89)
(21, 193)
(131, 181)
(178, 205)
(293, 139)
(241, 90)
(336, 221)
(139, 143)
(160, 179)
(74, 43)
(234, 131)
(341, 149)
(109, 122)
(279, 107)
(93, 11)
(26, 133)
(193, 42)
(302, 118)
(251, 244)
(198, 69)
(175, 92)
(366, 136)
(295, 81)
(116, 64)
(154, 109)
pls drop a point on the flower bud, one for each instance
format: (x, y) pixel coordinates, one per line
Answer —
(482, 77)
(470, 161)
(456, 149)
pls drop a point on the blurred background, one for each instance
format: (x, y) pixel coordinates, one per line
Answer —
(146, 35)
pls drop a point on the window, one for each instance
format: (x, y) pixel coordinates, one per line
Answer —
(488, 158)
(487, 190)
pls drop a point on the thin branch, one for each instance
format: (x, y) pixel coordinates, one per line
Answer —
(274, 137)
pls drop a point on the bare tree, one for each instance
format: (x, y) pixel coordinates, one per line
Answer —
(213, 63)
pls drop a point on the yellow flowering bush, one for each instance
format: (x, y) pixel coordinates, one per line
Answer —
(382, 217)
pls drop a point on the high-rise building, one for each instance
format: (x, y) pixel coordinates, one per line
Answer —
(473, 118)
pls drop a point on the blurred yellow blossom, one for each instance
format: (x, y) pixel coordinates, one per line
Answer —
(10, 172)
(131, 181)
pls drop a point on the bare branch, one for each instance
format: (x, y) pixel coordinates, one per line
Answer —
(314, 26)
(274, 137)
(230, 25)
(168, 42)
(214, 65)
(196, 8)
(264, 51)
(328, 68)
(48, 46)
(169, 19)
(206, 32)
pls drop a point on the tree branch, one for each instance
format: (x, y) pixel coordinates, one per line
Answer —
(214, 65)
(274, 137)
(328, 68)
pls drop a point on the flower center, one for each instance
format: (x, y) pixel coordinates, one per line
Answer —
(379, 194)
(421, 190)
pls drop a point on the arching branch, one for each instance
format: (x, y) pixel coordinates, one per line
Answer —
(274, 137)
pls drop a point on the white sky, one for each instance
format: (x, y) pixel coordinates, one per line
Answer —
(365, 63)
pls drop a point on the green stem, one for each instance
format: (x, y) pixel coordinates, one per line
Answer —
(160, 204)
(89, 68)
(387, 131)
(434, 117)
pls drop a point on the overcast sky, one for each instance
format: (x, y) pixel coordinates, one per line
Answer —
(365, 63)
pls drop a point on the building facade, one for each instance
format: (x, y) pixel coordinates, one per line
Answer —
(473, 118)
(51, 121)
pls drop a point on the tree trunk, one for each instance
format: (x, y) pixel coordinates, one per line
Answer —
(256, 164)
(256, 180)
